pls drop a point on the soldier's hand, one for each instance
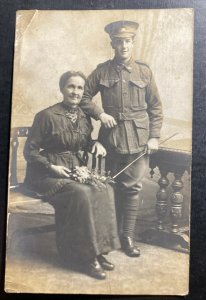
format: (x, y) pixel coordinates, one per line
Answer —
(152, 145)
(107, 120)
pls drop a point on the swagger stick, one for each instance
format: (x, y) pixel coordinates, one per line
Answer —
(142, 155)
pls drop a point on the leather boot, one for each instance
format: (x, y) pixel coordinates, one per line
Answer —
(128, 247)
(105, 264)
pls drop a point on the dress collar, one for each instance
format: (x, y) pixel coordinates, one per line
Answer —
(61, 109)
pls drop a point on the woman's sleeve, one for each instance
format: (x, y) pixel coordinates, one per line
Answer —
(90, 144)
(35, 140)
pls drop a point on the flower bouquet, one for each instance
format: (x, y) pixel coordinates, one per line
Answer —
(84, 175)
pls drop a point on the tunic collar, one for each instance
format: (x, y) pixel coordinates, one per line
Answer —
(118, 65)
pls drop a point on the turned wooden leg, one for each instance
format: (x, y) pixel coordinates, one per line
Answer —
(162, 196)
(176, 201)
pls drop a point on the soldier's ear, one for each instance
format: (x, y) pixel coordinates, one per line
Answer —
(112, 44)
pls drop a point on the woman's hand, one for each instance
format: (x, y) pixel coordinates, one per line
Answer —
(99, 150)
(60, 171)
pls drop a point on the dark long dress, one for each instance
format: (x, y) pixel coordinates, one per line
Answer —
(85, 216)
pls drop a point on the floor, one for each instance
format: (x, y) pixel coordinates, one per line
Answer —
(33, 266)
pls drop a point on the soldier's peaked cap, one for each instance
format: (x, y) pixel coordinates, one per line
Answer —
(121, 29)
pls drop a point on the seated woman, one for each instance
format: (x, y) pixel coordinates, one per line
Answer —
(85, 215)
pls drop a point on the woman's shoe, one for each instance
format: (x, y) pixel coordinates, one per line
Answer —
(105, 264)
(95, 270)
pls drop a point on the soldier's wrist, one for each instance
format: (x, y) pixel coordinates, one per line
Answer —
(48, 166)
(100, 115)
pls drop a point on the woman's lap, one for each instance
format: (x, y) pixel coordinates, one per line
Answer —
(85, 220)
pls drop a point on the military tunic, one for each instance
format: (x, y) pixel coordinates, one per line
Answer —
(130, 95)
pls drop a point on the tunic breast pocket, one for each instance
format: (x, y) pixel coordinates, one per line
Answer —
(138, 93)
(109, 91)
(142, 130)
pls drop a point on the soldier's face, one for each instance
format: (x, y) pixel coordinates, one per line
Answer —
(123, 47)
(73, 91)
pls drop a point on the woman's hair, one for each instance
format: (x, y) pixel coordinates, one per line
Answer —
(64, 77)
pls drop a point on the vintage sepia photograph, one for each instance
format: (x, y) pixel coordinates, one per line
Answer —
(100, 152)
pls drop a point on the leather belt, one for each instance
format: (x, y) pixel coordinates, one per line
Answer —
(123, 116)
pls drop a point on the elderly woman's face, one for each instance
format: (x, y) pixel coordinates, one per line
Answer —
(73, 90)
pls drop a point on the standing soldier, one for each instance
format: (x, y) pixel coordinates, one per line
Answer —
(131, 121)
